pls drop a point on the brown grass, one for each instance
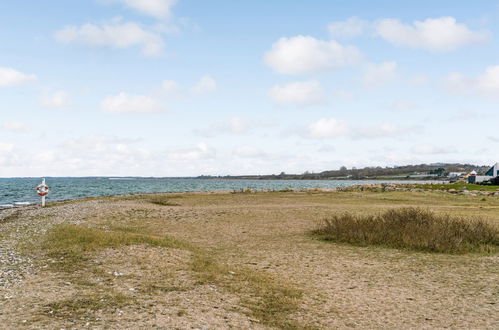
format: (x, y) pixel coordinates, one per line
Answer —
(412, 228)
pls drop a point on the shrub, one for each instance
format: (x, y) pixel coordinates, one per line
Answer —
(411, 228)
(163, 201)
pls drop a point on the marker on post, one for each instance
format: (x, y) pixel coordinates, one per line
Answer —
(42, 190)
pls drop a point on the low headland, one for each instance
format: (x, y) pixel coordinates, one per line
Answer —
(369, 256)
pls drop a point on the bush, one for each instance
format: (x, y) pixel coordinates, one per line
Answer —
(411, 228)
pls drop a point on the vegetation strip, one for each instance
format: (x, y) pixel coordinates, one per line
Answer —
(72, 246)
(412, 228)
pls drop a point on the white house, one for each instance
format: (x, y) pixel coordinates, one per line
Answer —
(493, 171)
(490, 174)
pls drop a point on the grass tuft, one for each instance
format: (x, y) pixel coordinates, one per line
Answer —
(86, 305)
(269, 301)
(412, 228)
(163, 201)
(71, 245)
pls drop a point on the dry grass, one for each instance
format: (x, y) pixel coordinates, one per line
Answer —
(85, 305)
(163, 201)
(412, 228)
(242, 261)
(71, 246)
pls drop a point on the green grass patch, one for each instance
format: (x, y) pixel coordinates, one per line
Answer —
(162, 200)
(457, 186)
(86, 305)
(70, 245)
(269, 300)
(412, 228)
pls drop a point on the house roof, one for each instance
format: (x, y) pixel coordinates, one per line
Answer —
(493, 171)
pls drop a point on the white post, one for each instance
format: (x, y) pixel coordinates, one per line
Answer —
(43, 197)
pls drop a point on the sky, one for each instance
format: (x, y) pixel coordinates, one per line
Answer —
(187, 88)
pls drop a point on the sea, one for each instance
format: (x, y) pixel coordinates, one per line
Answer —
(21, 191)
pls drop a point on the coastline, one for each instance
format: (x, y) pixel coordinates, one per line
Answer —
(229, 251)
(477, 190)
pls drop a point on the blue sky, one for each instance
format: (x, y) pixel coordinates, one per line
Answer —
(176, 88)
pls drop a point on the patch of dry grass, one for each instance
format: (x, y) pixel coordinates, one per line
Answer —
(162, 200)
(412, 228)
(86, 304)
(70, 245)
(269, 300)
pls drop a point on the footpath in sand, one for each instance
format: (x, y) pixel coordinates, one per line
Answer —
(240, 260)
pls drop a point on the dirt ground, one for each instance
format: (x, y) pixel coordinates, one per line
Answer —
(263, 250)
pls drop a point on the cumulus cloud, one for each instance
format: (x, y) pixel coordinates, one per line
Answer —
(378, 74)
(334, 128)
(170, 86)
(59, 99)
(113, 35)
(379, 131)
(235, 125)
(403, 105)
(14, 126)
(345, 95)
(328, 128)
(428, 149)
(201, 151)
(298, 93)
(352, 27)
(126, 103)
(434, 34)
(11, 77)
(249, 152)
(486, 84)
(155, 8)
(205, 84)
(305, 54)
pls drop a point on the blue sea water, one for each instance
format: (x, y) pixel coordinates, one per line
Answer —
(16, 190)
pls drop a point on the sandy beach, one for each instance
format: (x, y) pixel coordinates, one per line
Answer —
(237, 260)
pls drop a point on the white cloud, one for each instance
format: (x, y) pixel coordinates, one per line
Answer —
(249, 152)
(378, 74)
(328, 128)
(6, 147)
(333, 128)
(125, 103)
(305, 54)
(170, 86)
(205, 84)
(345, 95)
(434, 34)
(350, 28)
(298, 93)
(155, 8)
(59, 99)
(428, 149)
(403, 105)
(11, 77)
(201, 151)
(486, 84)
(14, 126)
(113, 35)
(235, 125)
(379, 131)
